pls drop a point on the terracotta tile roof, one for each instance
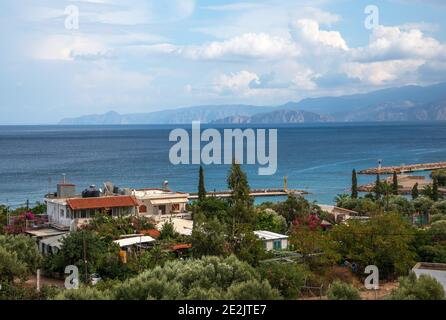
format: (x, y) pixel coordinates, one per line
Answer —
(102, 202)
(152, 232)
(181, 246)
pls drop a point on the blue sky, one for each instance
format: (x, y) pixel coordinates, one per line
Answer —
(146, 55)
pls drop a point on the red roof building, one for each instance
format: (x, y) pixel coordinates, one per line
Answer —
(102, 202)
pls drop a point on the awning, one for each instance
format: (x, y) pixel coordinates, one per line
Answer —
(133, 241)
(42, 233)
(159, 202)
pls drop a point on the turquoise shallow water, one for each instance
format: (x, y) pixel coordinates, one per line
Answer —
(317, 158)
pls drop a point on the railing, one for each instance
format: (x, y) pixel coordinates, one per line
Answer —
(182, 215)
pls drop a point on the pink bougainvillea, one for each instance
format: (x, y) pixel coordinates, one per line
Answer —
(19, 224)
(311, 221)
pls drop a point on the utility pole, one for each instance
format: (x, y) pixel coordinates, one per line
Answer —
(38, 280)
(27, 204)
(85, 257)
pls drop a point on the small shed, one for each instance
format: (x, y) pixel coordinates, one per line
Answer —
(51, 245)
(272, 240)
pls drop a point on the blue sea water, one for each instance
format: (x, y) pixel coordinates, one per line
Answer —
(317, 158)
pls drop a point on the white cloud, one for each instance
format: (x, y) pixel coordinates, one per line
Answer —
(271, 17)
(381, 72)
(318, 15)
(308, 31)
(391, 43)
(304, 79)
(238, 82)
(249, 45)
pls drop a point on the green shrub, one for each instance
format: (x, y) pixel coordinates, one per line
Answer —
(423, 288)
(206, 278)
(252, 290)
(343, 291)
(83, 293)
(288, 278)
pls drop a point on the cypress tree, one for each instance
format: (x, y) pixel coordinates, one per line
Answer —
(415, 192)
(239, 186)
(395, 183)
(354, 185)
(377, 187)
(201, 187)
(241, 203)
(435, 195)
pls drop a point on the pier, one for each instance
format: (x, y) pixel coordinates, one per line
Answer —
(405, 184)
(256, 193)
(405, 168)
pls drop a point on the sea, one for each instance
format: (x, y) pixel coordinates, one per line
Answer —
(317, 158)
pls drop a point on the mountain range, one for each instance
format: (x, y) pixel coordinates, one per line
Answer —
(408, 103)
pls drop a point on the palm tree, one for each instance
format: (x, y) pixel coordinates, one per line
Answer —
(341, 199)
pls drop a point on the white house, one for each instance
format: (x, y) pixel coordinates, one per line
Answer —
(340, 214)
(161, 204)
(73, 212)
(272, 240)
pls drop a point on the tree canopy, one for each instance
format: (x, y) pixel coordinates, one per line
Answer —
(206, 278)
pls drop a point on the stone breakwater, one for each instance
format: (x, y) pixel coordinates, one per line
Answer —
(405, 168)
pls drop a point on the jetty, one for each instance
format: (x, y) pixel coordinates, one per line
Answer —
(405, 168)
(405, 184)
(256, 193)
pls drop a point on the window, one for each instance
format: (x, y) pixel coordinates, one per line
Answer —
(142, 209)
(277, 244)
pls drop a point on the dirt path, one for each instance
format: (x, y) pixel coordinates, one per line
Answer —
(44, 281)
(384, 290)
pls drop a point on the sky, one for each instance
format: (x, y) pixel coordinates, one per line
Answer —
(61, 58)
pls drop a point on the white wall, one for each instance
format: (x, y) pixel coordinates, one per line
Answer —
(440, 275)
(270, 244)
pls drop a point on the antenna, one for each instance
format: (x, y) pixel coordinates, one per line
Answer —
(49, 184)
(64, 178)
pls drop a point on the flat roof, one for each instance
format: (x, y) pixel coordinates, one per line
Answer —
(134, 240)
(182, 226)
(158, 194)
(268, 235)
(47, 232)
(430, 266)
(62, 201)
(102, 202)
(330, 208)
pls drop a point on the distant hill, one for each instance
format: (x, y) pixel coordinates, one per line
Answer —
(276, 117)
(394, 104)
(204, 114)
(409, 103)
